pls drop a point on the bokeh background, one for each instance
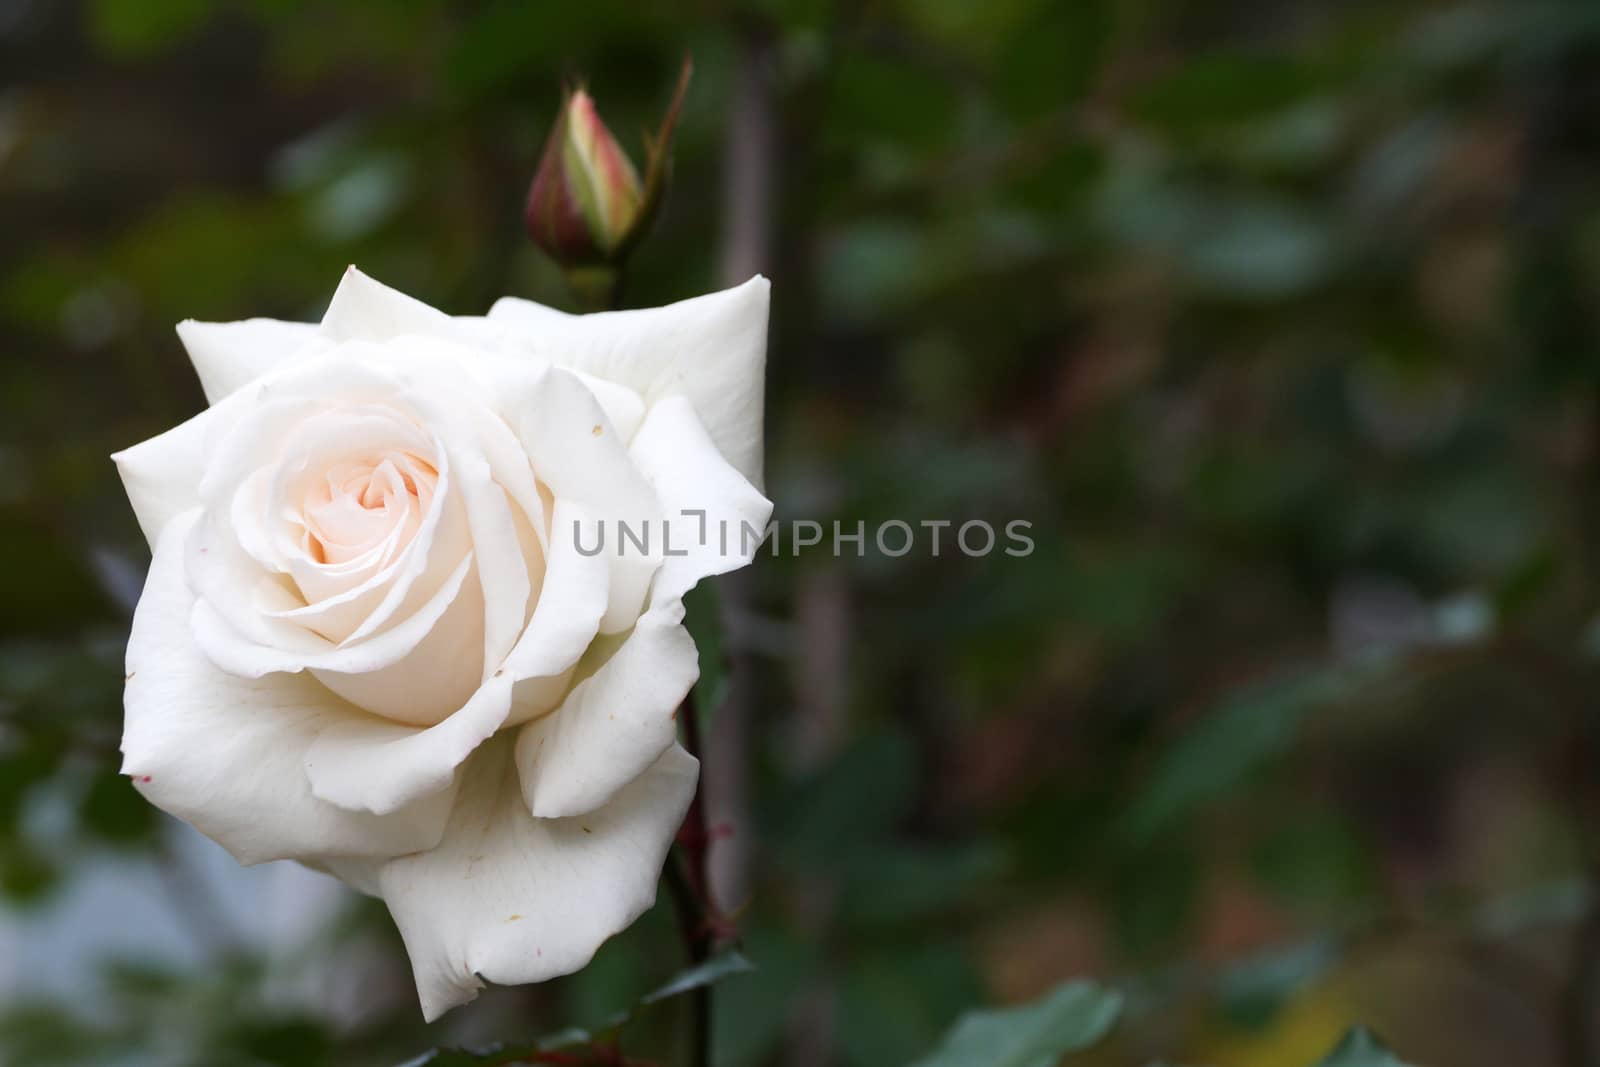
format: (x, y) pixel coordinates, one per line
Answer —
(1278, 320)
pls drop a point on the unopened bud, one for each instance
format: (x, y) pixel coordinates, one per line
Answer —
(587, 206)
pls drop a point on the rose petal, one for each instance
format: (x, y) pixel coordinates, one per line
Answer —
(225, 753)
(410, 679)
(366, 310)
(577, 453)
(564, 623)
(161, 475)
(349, 602)
(418, 671)
(504, 571)
(485, 474)
(711, 509)
(230, 355)
(614, 723)
(376, 766)
(711, 349)
(511, 899)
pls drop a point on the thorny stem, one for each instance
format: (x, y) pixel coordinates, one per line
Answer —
(688, 877)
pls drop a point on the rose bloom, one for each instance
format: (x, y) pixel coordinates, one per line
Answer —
(376, 636)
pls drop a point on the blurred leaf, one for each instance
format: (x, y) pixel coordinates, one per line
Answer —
(113, 811)
(1257, 250)
(464, 1058)
(1052, 56)
(893, 1004)
(872, 266)
(850, 804)
(1297, 140)
(892, 99)
(1360, 1048)
(138, 27)
(20, 771)
(57, 589)
(1074, 1016)
(1153, 898)
(751, 1018)
(1254, 991)
(1317, 861)
(284, 1043)
(42, 1035)
(708, 973)
(1224, 88)
(908, 884)
(1480, 520)
(1246, 729)
(26, 875)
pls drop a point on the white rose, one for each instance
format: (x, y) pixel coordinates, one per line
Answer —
(376, 638)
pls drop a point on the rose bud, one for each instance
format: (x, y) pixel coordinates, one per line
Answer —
(587, 205)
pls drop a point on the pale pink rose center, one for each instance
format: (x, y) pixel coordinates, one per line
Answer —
(366, 501)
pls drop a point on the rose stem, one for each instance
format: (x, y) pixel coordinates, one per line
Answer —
(691, 891)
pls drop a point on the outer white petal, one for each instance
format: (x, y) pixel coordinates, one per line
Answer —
(225, 753)
(714, 516)
(711, 349)
(366, 310)
(162, 474)
(229, 355)
(511, 899)
(577, 453)
(614, 723)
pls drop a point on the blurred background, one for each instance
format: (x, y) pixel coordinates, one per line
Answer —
(1277, 320)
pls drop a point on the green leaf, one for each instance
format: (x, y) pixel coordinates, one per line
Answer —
(710, 972)
(1249, 727)
(1359, 1048)
(1074, 1016)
